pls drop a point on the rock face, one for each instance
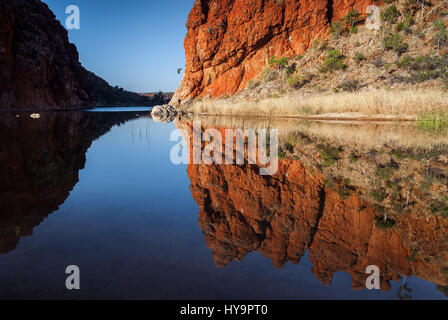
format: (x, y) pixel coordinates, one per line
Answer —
(40, 68)
(230, 41)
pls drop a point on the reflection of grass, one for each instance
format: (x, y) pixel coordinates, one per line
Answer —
(384, 224)
(376, 101)
(385, 172)
(378, 195)
(433, 122)
(443, 289)
(406, 138)
(440, 208)
(329, 155)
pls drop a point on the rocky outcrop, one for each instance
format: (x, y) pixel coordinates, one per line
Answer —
(41, 69)
(163, 114)
(230, 41)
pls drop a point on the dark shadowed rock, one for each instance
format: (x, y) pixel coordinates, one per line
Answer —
(39, 68)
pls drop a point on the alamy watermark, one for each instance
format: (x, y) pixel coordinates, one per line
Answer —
(373, 21)
(236, 146)
(73, 281)
(73, 21)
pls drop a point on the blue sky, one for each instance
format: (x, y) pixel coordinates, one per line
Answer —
(137, 45)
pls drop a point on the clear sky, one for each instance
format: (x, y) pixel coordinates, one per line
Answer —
(136, 44)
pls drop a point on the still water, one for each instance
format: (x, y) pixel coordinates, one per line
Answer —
(98, 190)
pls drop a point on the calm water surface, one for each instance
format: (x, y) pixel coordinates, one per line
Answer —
(98, 190)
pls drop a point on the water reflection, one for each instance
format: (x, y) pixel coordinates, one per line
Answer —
(344, 197)
(350, 195)
(40, 158)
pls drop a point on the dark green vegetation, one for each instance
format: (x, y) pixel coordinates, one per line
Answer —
(329, 155)
(333, 62)
(384, 224)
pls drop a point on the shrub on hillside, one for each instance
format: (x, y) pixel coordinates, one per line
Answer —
(282, 62)
(391, 14)
(441, 37)
(424, 68)
(352, 18)
(394, 41)
(333, 62)
(338, 28)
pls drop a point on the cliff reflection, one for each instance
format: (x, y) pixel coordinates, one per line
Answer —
(40, 158)
(351, 195)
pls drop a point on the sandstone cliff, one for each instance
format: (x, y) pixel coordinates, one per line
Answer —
(39, 68)
(230, 41)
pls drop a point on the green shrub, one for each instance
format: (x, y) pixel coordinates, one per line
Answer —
(440, 208)
(333, 62)
(350, 85)
(385, 172)
(338, 28)
(405, 62)
(295, 81)
(400, 26)
(441, 37)
(359, 57)
(426, 67)
(394, 41)
(378, 195)
(282, 62)
(329, 155)
(352, 18)
(391, 14)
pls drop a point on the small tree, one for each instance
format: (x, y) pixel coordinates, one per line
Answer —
(391, 14)
(337, 28)
(422, 4)
(352, 18)
(333, 62)
(280, 63)
(394, 42)
(441, 37)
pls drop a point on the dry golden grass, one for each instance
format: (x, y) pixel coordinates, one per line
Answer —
(375, 102)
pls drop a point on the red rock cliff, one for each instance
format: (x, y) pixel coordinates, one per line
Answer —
(230, 41)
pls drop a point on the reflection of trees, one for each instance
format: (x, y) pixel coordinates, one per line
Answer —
(404, 292)
(443, 289)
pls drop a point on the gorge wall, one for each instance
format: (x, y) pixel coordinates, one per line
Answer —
(230, 41)
(39, 67)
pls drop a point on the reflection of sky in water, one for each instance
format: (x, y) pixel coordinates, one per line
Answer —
(131, 226)
(123, 109)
